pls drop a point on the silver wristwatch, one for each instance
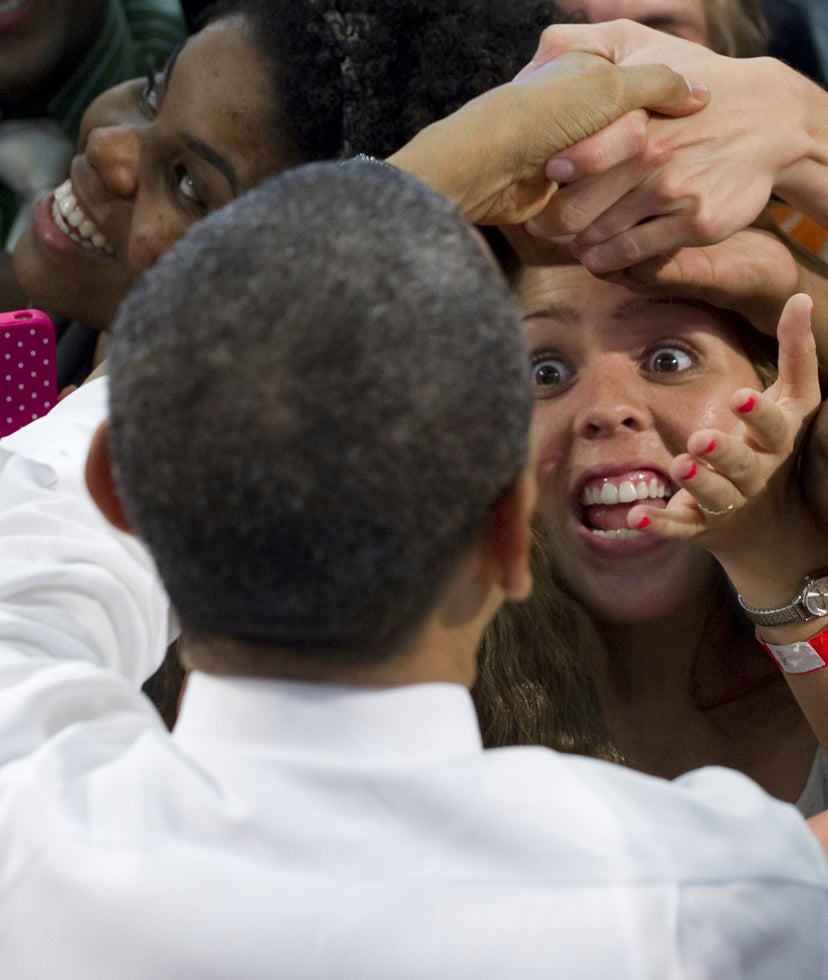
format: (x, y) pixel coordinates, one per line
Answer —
(810, 603)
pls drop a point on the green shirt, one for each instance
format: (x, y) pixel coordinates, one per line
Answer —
(137, 37)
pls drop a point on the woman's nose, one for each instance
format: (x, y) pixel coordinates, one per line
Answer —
(612, 404)
(113, 151)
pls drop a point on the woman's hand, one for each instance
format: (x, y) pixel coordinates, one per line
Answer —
(739, 495)
(697, 180)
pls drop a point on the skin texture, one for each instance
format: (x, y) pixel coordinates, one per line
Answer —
(620, 411)
(141, 177)
(41, 41)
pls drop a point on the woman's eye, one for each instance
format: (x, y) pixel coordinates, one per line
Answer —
(550, 372)
(668, 360)
(186, 187)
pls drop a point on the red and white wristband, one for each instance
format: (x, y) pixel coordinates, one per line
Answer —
(802, 657)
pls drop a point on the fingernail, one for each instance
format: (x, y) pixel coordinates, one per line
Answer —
(710, 447)
(644, 522)
(697, 87)
(560, 171)
(690, 473)
(748, 406)
(533, 228)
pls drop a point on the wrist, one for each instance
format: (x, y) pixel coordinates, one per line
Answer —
(446, 156)
(808, 604)
(802, 179)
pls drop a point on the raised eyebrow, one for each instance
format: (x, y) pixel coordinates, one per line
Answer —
(554, 311)
(665, 23)
(641, 304)
(215, 159)
(197, 146)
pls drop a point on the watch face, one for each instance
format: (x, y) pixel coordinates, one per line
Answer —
(816, 597)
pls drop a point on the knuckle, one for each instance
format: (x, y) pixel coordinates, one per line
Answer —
(637, 131)
(569, 215)
(705, 224)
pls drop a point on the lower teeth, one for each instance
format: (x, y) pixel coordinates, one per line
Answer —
(623, 532)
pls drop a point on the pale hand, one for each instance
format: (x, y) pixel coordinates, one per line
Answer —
(761, 532)
(699, 179)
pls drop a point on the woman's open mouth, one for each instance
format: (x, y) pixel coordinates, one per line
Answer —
(75, 223)
(606, 501)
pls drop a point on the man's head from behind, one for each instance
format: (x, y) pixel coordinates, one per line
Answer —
(317, 397)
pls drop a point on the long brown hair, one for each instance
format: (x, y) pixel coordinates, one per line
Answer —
(534, 685)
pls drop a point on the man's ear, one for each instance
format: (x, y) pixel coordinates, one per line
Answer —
(510, 534)
(100, 480)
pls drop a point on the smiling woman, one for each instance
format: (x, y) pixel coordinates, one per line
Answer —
(154, 156)
(633, 645)
(263, 86)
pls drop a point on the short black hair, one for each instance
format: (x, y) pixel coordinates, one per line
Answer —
(316, 397)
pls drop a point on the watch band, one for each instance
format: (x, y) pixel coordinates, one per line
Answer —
(811, 602)
(803, 657)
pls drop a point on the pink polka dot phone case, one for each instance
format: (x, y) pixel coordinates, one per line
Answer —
(28, 372)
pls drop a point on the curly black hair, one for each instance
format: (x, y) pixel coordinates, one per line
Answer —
(364, 76)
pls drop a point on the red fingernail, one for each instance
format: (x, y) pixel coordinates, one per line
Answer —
(690, 473)
(748, 406)
(711, 447)
(644, 522)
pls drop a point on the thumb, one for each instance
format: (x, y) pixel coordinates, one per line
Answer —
(660, 89)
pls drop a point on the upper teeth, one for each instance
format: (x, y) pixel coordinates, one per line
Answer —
(73, 222)
(625, 493)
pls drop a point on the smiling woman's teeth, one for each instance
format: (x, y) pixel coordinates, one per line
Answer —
(74, 223)
(608, 493)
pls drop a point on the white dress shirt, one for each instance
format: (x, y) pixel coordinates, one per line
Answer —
(303, 831)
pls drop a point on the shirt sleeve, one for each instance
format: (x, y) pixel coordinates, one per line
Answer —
(84, 619)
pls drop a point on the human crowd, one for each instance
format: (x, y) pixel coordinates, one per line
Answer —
(424, 570)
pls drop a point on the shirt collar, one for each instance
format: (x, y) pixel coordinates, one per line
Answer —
(411, 724)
